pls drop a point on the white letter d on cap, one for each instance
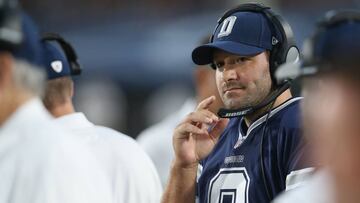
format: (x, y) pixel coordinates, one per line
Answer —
(227, 26)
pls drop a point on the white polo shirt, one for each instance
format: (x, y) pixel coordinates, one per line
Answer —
(157, 140)
(132, 174)
(41, 163)
(317, 189)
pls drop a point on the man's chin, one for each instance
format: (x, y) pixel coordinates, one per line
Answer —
(235, 105)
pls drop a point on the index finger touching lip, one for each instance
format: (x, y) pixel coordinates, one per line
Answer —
(206, 103)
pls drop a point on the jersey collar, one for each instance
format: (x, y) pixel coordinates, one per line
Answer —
(261, 120)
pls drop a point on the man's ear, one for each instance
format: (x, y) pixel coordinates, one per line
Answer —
(6, 68)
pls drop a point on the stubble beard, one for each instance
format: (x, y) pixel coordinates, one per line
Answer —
(250, 99)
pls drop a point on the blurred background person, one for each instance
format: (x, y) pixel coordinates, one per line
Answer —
(157, 140)
(331, 73)
(130, 171)
(138, 48)
(39, 162)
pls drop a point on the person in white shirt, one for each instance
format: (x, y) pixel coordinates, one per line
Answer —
(156, 141)
(131, 172)
(39, 162)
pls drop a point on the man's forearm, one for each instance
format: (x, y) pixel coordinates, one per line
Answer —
(181, 185)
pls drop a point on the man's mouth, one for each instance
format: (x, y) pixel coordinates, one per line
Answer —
(233, 89)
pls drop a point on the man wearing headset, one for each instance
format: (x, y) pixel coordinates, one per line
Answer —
(330, 73)
(39, 161)
(258, 153)
(130, 171)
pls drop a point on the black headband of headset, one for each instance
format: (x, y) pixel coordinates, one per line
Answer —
(69, 51)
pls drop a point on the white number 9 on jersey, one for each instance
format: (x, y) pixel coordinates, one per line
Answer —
(230, 185)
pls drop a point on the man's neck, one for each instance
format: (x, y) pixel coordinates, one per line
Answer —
(249, 119)
(62, 110)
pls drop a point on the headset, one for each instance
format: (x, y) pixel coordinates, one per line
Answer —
(71, 56)
(283, 41)
(284, 50)
(11, 35)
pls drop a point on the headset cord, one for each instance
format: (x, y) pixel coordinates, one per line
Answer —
(261, 154)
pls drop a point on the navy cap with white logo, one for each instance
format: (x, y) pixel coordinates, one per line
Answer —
(56, 63)
(243, 33)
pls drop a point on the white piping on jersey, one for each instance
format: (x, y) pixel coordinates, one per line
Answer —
(298, 177)
(199, 172)
(262, 119)
(241, 137)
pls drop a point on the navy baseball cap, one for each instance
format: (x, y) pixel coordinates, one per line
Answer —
(341, 42)
(30, 48)
(56, 62)
(243, 33)
(338, 46)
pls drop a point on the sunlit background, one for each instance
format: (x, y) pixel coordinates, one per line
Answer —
(136, 55)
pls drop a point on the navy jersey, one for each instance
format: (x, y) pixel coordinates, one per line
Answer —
(232, 173)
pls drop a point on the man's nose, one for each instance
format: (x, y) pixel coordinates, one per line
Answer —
(230, 74)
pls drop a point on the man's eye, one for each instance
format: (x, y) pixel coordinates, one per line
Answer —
(218, 64)
(242, 59)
